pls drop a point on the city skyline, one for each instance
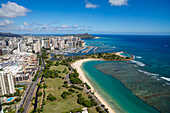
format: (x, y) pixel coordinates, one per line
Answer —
(81, 16)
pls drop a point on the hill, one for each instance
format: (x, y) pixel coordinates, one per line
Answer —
(83, 36)
(9, 35)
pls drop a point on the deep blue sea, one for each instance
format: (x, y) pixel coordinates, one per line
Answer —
(152, 53)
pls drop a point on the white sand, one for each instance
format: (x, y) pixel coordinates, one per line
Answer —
(119, 53)
(76, 65)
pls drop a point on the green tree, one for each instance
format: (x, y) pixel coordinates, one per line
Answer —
(87, 103)
(21, 110)
(39, 94)
(51, 97)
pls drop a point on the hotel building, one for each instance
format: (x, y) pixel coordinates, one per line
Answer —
(6, 83)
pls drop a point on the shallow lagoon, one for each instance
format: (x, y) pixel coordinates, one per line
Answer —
(119, 97)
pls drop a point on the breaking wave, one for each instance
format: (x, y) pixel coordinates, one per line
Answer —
(165, 78)
(138, 57)
(148, 73)
(138, 63)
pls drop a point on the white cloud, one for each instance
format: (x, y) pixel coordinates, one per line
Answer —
(65, 26)
(5, 22)
(12, 10)
(25, 24)
(118, 2)
(90, 5)
(45, 28)
(69, 26)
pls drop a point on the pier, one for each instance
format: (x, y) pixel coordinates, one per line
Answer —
(80, 50)
(95, 49)
(87, 50)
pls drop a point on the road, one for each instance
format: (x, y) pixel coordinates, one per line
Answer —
(20, 104)
(31, 93)
(36, 98)
(26, 100)
(86, 90)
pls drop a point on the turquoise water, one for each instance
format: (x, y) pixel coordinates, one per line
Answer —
(9, 99)
(125, 55)
(21, 88)
(113, 91)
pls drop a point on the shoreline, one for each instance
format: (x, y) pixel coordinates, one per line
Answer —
(77, 65)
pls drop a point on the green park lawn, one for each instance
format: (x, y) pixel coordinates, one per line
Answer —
(60, 68)
(54, 86)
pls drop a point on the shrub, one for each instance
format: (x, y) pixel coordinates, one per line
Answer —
(90, 97)
(76, 87)
(80, 100)
(65, 85)
(75, 80)
(93, 102)
(88, 87)
(21, 110)
(17, 99)
(65, 82)
(87, 103)
(45, 85)
(17, 93)
(38, 84)
(79, 95)
(98, 109)
(51, 97)
(64, 94)
(71, 90)
(39, 94)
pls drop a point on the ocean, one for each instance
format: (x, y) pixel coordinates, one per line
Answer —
(117, 82)
(152, 53)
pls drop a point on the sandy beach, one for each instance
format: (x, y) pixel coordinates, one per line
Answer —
(77, 66)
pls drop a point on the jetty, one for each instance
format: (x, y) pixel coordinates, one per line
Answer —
(80, 49)
(87, 50)
(95, 49)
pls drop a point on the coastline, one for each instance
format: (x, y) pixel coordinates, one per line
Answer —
(77, 65)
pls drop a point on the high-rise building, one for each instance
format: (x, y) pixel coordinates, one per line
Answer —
(21, 47)
(6, 83)
(29, 40)
(38, 46)
(42, 42)
(46, 44)
(70, 43)
(35, 47)
(59, 45)
(79, 43)
(74, 43)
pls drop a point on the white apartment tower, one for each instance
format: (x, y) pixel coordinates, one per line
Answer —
(21, 47)
(6, 83)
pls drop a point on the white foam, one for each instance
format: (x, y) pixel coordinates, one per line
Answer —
(135, 66)
(148, 73)
(166, 84)
(165, 78)
(138, 63)
(138, 57)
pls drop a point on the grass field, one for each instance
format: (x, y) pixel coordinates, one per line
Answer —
(60, 68)
(54, 86)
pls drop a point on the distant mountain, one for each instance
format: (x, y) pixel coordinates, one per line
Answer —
(83, 36)
(9, 35)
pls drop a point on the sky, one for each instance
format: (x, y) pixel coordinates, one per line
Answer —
(85, 16)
